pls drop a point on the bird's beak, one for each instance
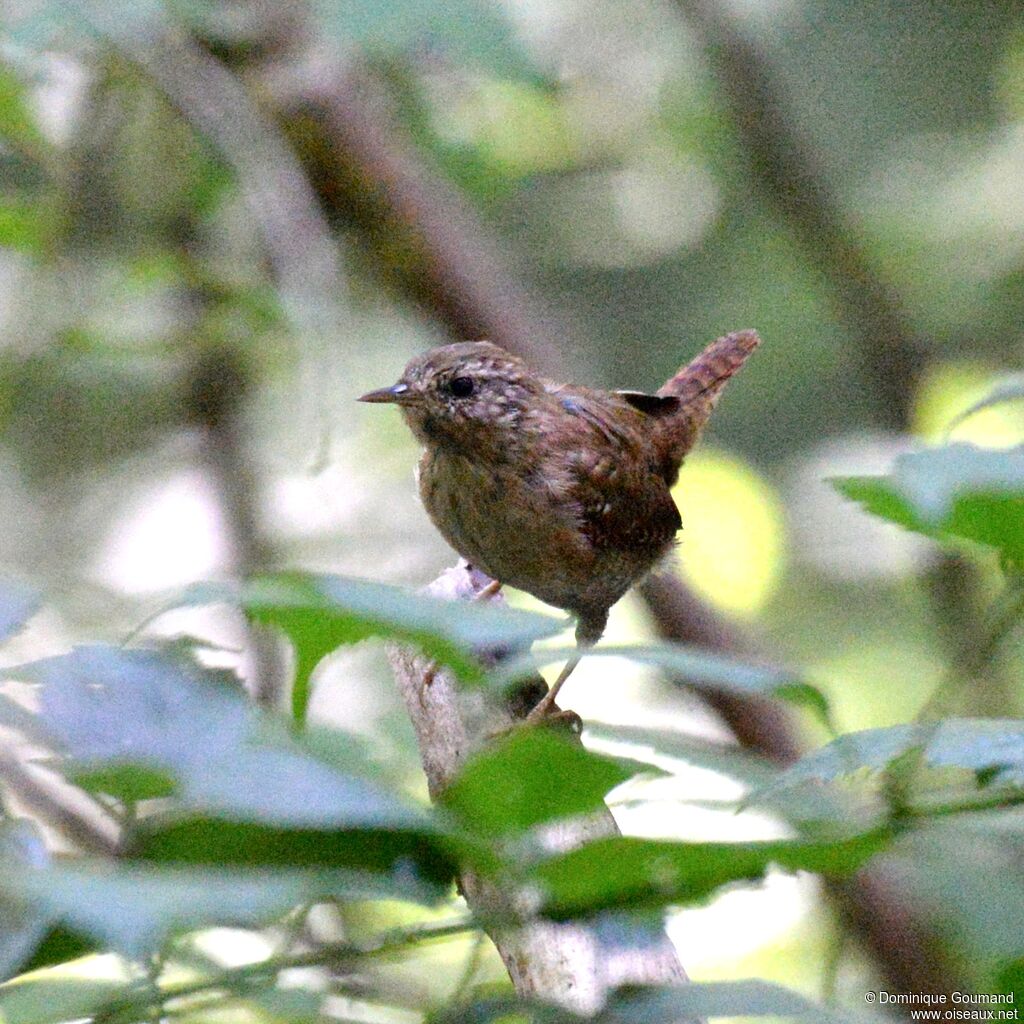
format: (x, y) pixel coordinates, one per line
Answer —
(397, 394)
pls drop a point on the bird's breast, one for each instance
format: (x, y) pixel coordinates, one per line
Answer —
(508, 522)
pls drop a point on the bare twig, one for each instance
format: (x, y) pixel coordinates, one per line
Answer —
(72, 813)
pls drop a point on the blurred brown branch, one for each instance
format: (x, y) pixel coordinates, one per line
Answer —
(424, 237)
(787, 169)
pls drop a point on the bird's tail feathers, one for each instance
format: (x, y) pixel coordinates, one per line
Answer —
(698, 385)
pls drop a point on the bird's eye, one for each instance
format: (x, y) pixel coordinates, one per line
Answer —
(460, 387)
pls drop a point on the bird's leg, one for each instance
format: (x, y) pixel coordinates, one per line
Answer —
(589, 629)
(542, 709)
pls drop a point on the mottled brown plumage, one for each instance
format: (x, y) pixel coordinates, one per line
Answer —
(559, 490)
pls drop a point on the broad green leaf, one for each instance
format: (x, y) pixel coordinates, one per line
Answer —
(416, 866)
(727, 758)
(123, 780)
(700, 669)
(626, 872)
(680, 1004)
(529, 777)
(17, 605)
(69, 992)
(956, 491)
(132, 909)
(319, 614)
(23, 926)
(117, 706)
(980, 745)
(59, 946)
(141, 722)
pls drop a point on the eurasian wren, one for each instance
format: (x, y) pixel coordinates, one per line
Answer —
(559, 490)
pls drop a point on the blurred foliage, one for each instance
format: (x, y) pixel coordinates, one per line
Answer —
(166, 390)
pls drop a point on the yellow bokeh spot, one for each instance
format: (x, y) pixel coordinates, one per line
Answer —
(950, 389)
(732, 545)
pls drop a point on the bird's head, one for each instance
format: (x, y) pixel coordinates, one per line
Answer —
(470, 395)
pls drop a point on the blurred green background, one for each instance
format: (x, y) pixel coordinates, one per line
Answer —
(222, 221)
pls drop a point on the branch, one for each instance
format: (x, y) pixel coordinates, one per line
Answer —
(70, 812)
(791, 178)
(424, 236)
(570, 964)
(216, 391)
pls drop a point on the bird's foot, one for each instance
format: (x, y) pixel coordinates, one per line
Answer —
(553, 718)
(544, 709)
(488, 592)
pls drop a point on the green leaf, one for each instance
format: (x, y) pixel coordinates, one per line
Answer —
(59, 946)
(645, 744)
(412, 866)
(125, 781)
(142, 722)
(319, 614)
(626, 872)
(679, 1004)
(956, 491)
(134, 908)
(528, 777)
(23, 926)
(117, 706)
(980, 745)
(17, 605)
(57, 995)
(700, 669)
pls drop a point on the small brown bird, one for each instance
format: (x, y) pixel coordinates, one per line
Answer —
(559, 490)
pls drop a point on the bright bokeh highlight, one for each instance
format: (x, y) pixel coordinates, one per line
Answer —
(950, 389)
(731, 548)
